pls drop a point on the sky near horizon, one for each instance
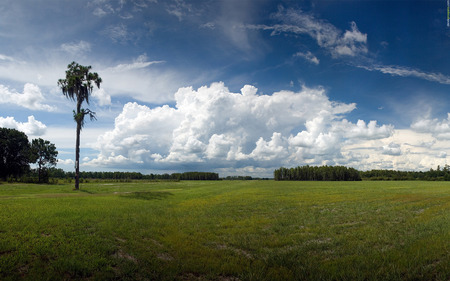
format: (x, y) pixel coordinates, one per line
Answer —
(235, 87)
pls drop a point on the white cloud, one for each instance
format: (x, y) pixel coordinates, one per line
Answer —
(76, 48)
(31, 98)
(215, 128)
(439, 129)
(308, 56)
(32, 127)
(65, 162)
(102, 97)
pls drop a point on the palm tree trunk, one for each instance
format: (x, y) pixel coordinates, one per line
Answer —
(77, 157)
(77, 146)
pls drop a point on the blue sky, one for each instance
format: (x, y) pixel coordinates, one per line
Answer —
(236, 87)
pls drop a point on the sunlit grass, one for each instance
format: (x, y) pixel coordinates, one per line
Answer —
(226, 230)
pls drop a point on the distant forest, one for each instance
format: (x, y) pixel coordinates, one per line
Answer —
(314, 173)
(61, 174)
(440, 174)
(342, 173)
(301, 173)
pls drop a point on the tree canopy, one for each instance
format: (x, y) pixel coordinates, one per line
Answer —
(314, 173)
(14, 153)
(44, 153)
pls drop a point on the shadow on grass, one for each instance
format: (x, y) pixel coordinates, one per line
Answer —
(147, 195)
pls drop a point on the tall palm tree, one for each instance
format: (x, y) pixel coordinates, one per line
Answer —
(78, 86)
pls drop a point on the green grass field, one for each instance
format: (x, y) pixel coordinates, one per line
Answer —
(226, 230)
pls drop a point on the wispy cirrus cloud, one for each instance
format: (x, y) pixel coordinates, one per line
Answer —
(76, 48)
(139, 63)
(308, 56)
(403, 71)
(179, 8)
(351, 43)
(6, 58)
(117, 33)
(294, 21)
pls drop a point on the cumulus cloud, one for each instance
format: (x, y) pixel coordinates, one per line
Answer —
(31, 98)
(141, 134)
(405, 149)
(392, 149)
(370, 131)
(32, 127)
(439, 129)
(216, 128)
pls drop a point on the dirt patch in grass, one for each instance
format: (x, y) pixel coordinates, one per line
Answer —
(235, 250)
(200, 277)
(123, 255)
(147, 195)
(164, 257)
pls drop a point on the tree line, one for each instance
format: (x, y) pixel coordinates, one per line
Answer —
(316, 173)
(342, 173)
(17, 153)
(61, 174)
(438, 174)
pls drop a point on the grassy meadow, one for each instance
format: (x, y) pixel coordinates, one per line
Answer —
(226, 230)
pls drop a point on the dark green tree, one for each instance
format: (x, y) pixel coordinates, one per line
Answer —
(14, 153)
(78, 86)
(44, 154)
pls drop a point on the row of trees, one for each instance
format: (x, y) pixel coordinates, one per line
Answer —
(315, 173)
(196, 176)
(17, 153)
(61, 174)
(438, 174)
(341, 173)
